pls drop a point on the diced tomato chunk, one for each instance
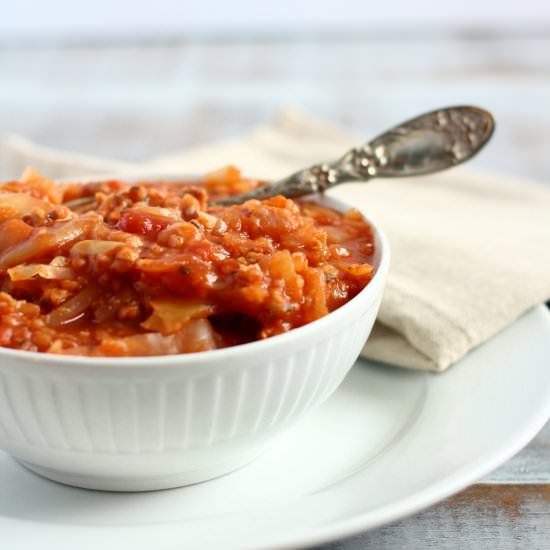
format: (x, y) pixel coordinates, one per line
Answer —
(143, 223)
(227, 175)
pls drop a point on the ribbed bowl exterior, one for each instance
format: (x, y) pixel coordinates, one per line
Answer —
(152, 412)
(121, 422)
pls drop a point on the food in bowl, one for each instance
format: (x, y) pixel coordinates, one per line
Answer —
(144, 423)
(115, 268)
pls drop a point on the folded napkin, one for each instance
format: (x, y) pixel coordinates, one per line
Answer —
(470, 252)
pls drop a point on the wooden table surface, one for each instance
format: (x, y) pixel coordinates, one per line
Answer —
(131, 101)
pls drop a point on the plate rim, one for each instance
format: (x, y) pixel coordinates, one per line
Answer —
(436, 492)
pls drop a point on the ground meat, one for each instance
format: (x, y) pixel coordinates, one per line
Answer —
(117, 268)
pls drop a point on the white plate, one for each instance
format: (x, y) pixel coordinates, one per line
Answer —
(387, 444)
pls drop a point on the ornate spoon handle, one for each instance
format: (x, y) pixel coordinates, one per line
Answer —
(426, 144)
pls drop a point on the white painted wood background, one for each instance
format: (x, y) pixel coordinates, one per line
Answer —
(105, 18)
(131, 101)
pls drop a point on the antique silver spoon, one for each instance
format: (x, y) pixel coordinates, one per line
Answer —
(426, 144)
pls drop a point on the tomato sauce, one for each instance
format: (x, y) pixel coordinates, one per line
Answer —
(115, 268)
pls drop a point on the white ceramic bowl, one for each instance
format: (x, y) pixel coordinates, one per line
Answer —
(135, 424)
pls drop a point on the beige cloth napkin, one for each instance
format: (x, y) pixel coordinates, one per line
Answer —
(470, 252)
